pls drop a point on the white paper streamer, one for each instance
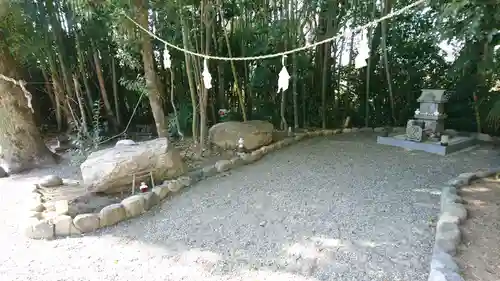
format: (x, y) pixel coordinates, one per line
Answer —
(167, 63)
(283, 77)
(363, 51)
(207, 78)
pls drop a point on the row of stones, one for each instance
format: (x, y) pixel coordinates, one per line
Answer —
(448, 235)
(46, 223)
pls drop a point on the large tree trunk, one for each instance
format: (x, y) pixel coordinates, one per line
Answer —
(21, 145)
(154, 94)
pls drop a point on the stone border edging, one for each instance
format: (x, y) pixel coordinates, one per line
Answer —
(453, 212)
(60, 224)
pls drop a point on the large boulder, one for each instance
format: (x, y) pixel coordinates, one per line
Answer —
(111, 170)
(255, 134)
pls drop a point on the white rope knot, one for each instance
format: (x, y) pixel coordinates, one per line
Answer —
(283, 77)
(207, 78)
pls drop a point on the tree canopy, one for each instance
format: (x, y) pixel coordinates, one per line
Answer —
(94, 68)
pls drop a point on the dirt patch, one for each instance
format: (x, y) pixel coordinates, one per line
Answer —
(479, 255)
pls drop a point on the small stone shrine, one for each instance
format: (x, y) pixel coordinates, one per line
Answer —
(425, 130)
(429, 117)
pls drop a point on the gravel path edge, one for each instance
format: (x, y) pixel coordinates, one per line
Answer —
(448, 236)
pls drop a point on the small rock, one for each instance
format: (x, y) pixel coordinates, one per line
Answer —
(237, 161)
(458, 182)
(484, 137)
(444, 275)
(150, 200)
(449, 189)
(455, 210)
(51, 181)
(134, 205)
(399, 129)
(161, 191)
(33, 214)
(111, 215)
(209, 171)
(468, 177)
(3, 174)
(64, 226)
(366, 129)
(86, 222)
(442, 260)
(125, 142)
(354, 130)
(257, 154)
(39, 229)
(174, 186)
(196, 175)
(346, 130)
(449, 199)
(185, 181)
(299, 137)
(379, 129)
(447, 237)
(447, 219)
(61, 207)
(263, 223)
(36, 207)
(223, 165)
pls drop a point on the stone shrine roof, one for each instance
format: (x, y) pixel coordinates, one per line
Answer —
(434, 96)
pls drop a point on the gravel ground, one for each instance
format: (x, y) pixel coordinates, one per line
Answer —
(338, 208)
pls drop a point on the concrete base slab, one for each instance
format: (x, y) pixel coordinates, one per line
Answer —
(455, 144)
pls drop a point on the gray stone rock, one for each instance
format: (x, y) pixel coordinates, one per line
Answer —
(150, 200)
(161, 191)
(111, 170)
(447, 219)
(61, 207)
(237, 161)
(3, 174)
(468, 176)
(366, 129)
(86, 222)
(174, 186)
(125, 142)
(185, 181)
(50, 181)
(346, 130)
(223, 165)
(33, 214)
(63, 226)
(255, 133)
(455, 210)
(447, 238)
(447, 198)
(111, 215)
(444, 275)
(354, 130)
(36, 206)
(449, 189)
(196, 175)
(134, 205)
(209, 171)
(39, 229)
(442, 260)
(379, 129)
(458, 182)
(258, 154)
(399, 129)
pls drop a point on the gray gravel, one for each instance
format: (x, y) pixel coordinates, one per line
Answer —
(337, 208)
